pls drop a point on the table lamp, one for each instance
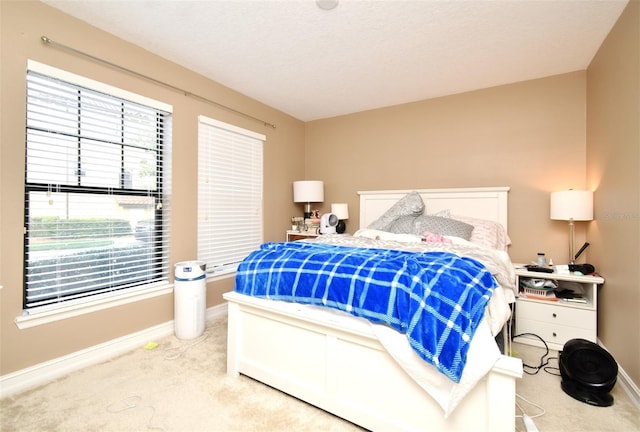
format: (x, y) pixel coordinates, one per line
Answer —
(308, 191)
(341, 210)
(572, 205)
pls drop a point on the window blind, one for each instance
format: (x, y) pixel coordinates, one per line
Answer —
(96, 211)
(229, 194)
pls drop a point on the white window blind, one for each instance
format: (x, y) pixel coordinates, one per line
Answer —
(229, 194)
(96, 211)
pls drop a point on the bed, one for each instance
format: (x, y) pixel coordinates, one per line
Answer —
(343, 364)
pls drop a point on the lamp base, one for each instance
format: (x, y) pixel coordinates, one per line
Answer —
(571, 242)
(341, 227)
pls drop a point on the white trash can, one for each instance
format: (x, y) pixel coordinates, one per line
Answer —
(190, 299)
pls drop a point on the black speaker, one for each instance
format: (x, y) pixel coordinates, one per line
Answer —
(588, 372)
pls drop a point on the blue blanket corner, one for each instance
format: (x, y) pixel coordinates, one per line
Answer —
(436, 298)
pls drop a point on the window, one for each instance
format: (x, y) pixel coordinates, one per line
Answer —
(96, 208)
(229, 194)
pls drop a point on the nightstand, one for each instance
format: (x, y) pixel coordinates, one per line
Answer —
(295, 235)
(556, 322)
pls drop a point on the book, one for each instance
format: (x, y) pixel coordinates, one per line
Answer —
(579, 299)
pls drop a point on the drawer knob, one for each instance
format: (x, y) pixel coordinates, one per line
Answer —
(554, 315)
(554, 334)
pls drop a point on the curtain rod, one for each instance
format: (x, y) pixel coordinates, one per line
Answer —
(51, 42)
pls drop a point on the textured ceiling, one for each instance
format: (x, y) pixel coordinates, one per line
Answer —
(313, 63)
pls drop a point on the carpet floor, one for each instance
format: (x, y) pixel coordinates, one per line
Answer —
(183, 386)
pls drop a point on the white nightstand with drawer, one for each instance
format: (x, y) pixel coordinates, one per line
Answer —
(556, 322)
(296, 235)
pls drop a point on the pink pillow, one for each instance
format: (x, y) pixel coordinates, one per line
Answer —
(430, 237)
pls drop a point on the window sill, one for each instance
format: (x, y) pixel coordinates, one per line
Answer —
(226, 274)
(37, 317)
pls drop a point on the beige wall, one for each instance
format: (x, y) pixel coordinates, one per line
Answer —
(613, 161)
(529, 136)
(22, 25)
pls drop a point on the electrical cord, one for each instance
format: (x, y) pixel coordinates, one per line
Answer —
(544, 361)
(131, 402)
(552, 370)
(173, 353)
(541, 413)
(527, 419)
(543, 365)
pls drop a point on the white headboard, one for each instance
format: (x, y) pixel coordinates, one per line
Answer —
(484, 203)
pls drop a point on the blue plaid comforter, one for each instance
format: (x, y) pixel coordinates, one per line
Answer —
(436, 298)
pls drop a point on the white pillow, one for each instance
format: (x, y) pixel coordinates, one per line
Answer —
(486, 233)
(458, 241)
(385, 235)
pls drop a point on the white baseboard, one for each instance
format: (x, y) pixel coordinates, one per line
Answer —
(624, 380)
(630, 388)
(48, 371)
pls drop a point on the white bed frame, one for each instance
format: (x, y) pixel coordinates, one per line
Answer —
(347, 372)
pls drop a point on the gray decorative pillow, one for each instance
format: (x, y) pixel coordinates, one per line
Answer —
(442, 226)
(403, 225)
(409, 205)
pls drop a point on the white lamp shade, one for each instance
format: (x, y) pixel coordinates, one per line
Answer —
(341, 210)
(572, 204)
(308, 191)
